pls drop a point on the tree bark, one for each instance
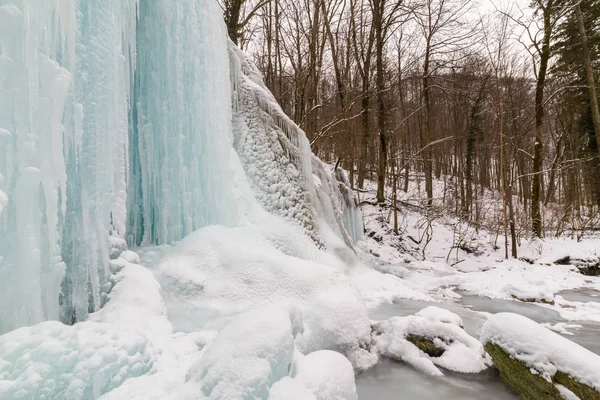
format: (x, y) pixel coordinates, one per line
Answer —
(589, 74)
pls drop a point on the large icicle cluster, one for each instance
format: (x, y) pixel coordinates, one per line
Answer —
(273, 150)
(180, 177)
(65, 74)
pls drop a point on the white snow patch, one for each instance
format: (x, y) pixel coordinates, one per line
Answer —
(327, 374)
(561, 327)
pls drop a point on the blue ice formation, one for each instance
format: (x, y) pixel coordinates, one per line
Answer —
(116, 121)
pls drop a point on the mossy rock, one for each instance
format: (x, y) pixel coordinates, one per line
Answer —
(530, 386)
(533, 300)
(518, 376)
(583, 391)
(426, 345)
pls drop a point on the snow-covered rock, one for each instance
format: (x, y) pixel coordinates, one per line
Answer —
(450, 347)
(322, 375)
(541, 350)
(251, 353)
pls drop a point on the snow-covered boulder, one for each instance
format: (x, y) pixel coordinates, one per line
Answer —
(322, 375)
(255, 357)
(532, 359)
(430, 339)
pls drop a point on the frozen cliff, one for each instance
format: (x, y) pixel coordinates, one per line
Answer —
(135, 123)
(116, 120)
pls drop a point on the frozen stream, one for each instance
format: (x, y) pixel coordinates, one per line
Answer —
(396, 380)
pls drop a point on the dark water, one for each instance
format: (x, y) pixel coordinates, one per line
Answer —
(392, 380)
(399, 381)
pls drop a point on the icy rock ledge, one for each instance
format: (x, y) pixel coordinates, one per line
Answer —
(430, 339)
(538, 363)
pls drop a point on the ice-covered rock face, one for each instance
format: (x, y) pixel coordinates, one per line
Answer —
(286, 178)
(273, 149)
(95, 140)
(116, 121)
(117, 127)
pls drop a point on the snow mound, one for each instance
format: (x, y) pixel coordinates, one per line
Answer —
(135, 300)
(541, 349)
(55, 361)
(322, 375)
(436, 314)
(255, 357)
(249, 355)
(460, 352)
(217, 272)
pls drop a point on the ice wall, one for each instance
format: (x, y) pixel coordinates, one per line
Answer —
(180, 179)
(116, 121)
(91, 143)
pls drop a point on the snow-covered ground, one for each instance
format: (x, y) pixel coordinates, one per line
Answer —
(442, 258)
(231, 313)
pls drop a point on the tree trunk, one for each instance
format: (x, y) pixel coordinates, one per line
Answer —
(378, 9)
(536, 187)
(589, 73)
(426, 138)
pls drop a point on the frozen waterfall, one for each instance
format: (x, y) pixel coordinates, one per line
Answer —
(116, 122)
(65, 77)
(181, 123)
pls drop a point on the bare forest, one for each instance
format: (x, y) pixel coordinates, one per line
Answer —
(494, 105)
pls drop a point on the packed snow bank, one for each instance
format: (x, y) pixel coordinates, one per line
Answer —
(253, 357)
(217, 272)
(377, 288)
(135, 300)
(55, 361)
(441, 331)
(540, 349)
